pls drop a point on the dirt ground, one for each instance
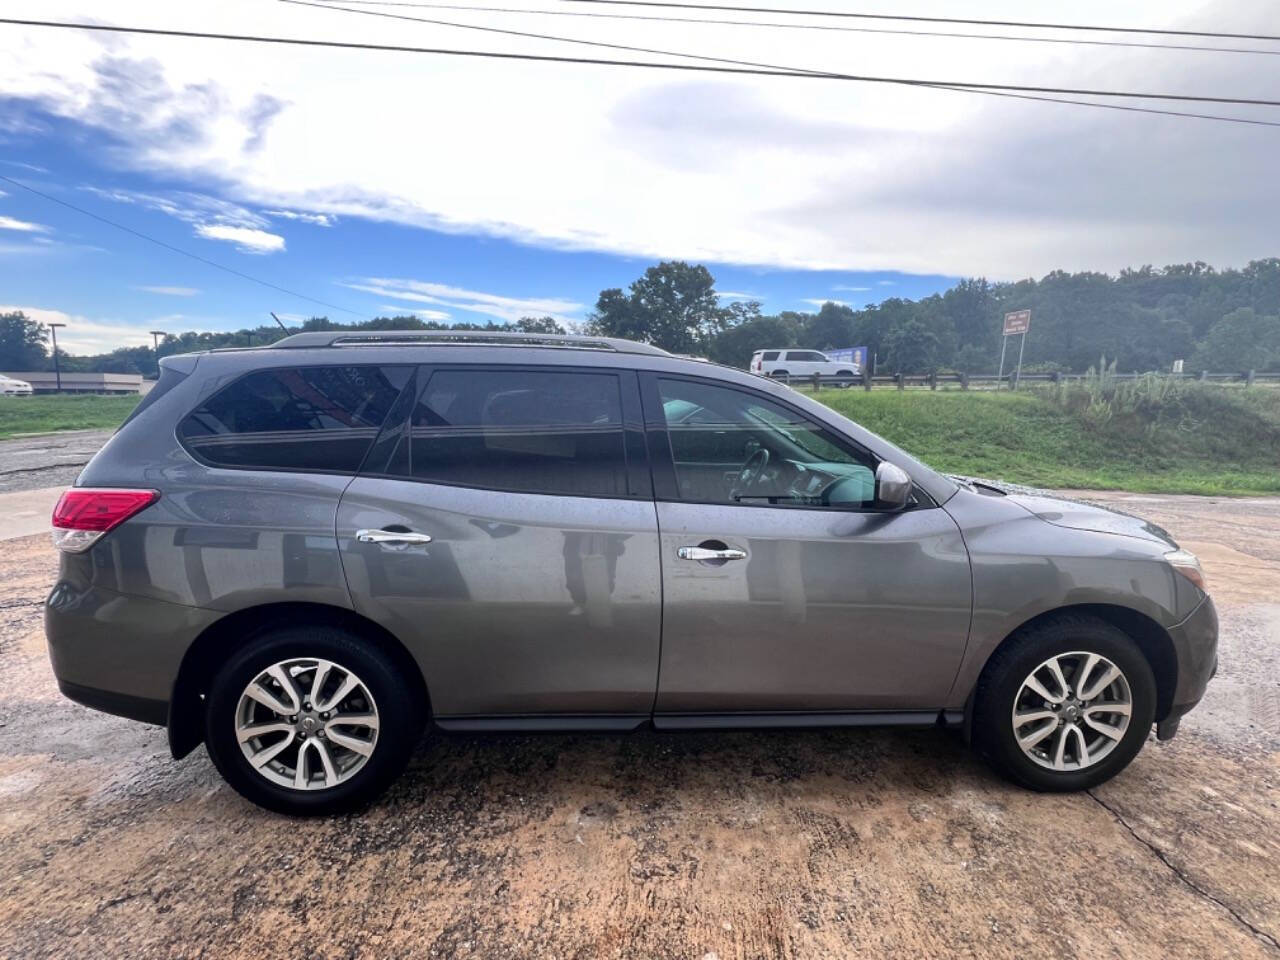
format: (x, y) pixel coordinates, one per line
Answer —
(790, 845)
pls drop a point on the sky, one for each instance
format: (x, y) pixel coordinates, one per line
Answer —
(469, 189)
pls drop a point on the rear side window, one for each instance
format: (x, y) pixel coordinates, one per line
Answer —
(770, 355)
(557, 432)
(806, 355)
(298, 418)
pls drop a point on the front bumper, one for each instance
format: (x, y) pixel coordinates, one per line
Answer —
(117, 653)
(1195, 645)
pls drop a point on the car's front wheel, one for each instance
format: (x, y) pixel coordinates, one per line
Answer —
(1064, 705)
(311, 720)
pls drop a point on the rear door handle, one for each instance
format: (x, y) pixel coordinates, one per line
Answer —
(392, 538)
(706, 553)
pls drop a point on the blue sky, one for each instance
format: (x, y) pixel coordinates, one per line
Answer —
(88, 269)
(493, 189)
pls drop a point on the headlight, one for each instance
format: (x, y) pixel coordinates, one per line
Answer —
(1186, 563)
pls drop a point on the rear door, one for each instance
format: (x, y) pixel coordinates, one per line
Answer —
(505, 531)
(784, 589)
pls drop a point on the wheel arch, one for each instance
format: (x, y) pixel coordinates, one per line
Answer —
(1152, 640)
(236, 630)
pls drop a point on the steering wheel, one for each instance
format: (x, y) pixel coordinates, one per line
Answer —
(752, 470)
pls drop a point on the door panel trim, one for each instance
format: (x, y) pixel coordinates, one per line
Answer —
(775, 721)
(540, 723)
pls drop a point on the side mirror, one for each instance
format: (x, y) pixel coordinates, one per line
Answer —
(893, 486)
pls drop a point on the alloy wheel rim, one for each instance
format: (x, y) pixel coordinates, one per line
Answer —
(1072, 711)
(307, 724)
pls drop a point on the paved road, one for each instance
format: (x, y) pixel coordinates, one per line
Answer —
(796, 845)
(47, 460)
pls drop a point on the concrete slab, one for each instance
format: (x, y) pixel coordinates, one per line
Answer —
(27, 511)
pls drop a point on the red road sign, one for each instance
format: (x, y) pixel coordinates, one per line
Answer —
(1019, 321)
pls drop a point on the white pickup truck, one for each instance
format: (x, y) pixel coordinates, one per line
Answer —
(798, 364)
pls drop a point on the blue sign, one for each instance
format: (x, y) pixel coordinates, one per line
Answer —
(855, 355)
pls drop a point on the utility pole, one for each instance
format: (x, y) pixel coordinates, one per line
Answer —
(155, 338)
(57, 369)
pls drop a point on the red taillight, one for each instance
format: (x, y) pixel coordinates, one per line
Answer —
(84, 514)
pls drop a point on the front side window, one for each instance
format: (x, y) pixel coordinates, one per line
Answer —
(297, 418)
(557, 432)
(737, 447)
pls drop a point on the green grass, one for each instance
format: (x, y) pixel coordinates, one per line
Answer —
(42, 414)
(1209, 440)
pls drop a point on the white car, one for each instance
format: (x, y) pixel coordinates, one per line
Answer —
(10, 387)
(800, 364)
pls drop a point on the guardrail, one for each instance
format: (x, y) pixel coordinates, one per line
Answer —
(992, 381)
(46, 381)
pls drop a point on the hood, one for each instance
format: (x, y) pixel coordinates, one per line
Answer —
(1073, 514)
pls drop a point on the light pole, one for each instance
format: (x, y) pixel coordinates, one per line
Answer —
(155, 338)
(57, 369)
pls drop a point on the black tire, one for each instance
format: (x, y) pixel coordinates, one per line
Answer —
(1002, 678)
(846, 373)
(779, 374)
(401, 716)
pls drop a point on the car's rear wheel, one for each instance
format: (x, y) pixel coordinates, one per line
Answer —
(1064, 705)
(311, 720)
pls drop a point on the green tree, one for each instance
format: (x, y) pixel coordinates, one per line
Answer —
(22, 343)
(831, 327)
(673, 306)
(910, 347)
(538, 325)
(736, 344)
(1242, 340)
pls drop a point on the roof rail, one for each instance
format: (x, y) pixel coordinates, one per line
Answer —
(363, 338)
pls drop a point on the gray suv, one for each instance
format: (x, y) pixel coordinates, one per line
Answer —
(302, 555)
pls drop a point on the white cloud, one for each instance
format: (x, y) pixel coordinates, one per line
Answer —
(819, 301)
(317, 219)
(403, 311)
(171, 291)
(886, 283)
(734, 295)
(26, 166)
(246, 239)
(86, 335)
(768, 171)
(841, 286)
(22, 226)
(504, 308)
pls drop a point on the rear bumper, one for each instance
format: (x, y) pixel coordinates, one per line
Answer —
(117, 653)
(1195, 644)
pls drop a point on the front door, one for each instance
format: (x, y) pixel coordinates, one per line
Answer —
(507, 535)
(785, 590)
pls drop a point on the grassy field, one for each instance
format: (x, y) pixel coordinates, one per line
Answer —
(41, 414)
(1206, 440)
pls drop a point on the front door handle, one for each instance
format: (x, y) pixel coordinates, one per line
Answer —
(707, 553)
(392, 538)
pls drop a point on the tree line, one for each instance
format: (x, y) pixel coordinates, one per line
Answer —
(1146, 318)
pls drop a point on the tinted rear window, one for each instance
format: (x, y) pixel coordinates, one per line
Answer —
(525, 430)
(770, 355)
(298, 418)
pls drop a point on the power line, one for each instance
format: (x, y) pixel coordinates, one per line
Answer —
(169, 246)
(551, 58)
(824, 27)
(916, 19)
(789, 71)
